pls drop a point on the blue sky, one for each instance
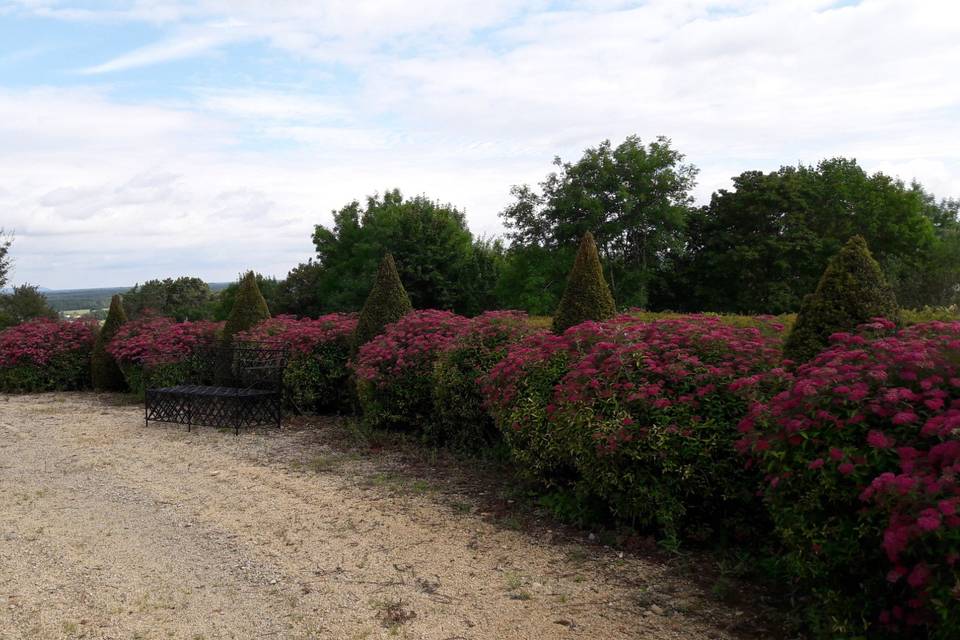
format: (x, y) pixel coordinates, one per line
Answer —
(154, 138)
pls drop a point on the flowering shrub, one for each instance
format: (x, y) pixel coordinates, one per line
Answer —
(861, 453)
(161, 345)
(651, 417)
(395, 370)
(640, 414)
(462, 421)
(519, 392)
(316, 377)
(46, 355)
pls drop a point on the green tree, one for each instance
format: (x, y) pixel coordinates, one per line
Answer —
(435, 254)
(299, 293)
(24, 303)
(225, 298)
(249, 308)
(5, 242)
(587, 296)
(104, 371)
(634, 198)
(532, 278)
(851, 292)
(184, 298)
(760, 247)
(386, 303)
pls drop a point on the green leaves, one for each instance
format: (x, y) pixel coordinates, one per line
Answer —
(587, 296)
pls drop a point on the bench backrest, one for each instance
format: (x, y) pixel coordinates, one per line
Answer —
(243, 365)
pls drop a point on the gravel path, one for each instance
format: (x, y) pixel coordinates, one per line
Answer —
(109, 529)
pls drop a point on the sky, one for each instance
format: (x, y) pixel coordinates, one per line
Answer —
(145, 139)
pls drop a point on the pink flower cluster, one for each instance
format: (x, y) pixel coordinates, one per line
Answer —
(159, 340)
(302, 335)
(876, 418)
(407, 345)
(36, 342)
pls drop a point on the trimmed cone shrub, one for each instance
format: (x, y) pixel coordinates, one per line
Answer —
(46, 355)
(316, 378)
(249, 308)
(862, 455)
(462, 421)
(587, 296)
(104, 370)
(387, 303)
(394, 371)
(851, 291)
(162, 345)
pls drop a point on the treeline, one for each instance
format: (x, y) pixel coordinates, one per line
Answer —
(759, 247)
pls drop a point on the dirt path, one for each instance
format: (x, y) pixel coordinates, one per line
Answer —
(112, 530)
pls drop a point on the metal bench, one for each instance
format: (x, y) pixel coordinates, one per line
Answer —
(236, 386)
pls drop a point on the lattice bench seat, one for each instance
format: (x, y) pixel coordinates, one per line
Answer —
(237, 386)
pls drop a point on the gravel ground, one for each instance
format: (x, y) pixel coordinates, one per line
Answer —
(109, 529)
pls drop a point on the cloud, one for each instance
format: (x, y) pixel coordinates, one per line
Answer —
(336, 100)
(184, 45)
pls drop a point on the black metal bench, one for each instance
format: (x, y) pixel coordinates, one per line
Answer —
(236, 386)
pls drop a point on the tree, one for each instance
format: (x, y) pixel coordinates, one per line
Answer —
(634, 198)
(434, 250)
(532, 278)
(226, 297)
(185, 298)
(587, 296)
(851, 292)
(387, 303)
(299, 293)
(5, 242)
(760, 247)
(249, 308)
(24, 303)
(104, 371)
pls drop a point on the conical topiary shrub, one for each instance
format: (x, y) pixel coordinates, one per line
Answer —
(387, 302)
(249, 308)
(104, 371)
(587, 296)
(851, 291)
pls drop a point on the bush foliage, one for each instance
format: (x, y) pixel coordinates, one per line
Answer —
(851, 292)
(104, 371)
(162, 346)
(394, 371)
(461, 420)
(387, 303)
(316, 378)
(587, 296)
(860, 455)
(46, 355)
(249, 308)
(642, 415)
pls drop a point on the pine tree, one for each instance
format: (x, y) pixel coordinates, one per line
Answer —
(852, 290)
(387, 303)
(587, 296)
(249, 308)
(104, 371)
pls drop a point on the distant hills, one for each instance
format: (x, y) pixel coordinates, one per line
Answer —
(99, 298)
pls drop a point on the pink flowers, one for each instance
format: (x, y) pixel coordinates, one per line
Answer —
(156, 340)
(883, 405)
(38, 341)
(407, 344)
(303, 335)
